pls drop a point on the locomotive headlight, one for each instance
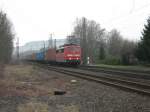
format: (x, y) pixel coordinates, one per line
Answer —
(69, 58)
(77, 55)
(69, 55)
(77, 58)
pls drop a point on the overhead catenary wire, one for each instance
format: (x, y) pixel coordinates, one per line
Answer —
(132, 12)
(133, 6)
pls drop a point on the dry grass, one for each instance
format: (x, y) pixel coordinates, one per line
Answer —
(72, 108)
(19, 71)
(20, 80)
(33, 107)
(29, 81)
(2, 70)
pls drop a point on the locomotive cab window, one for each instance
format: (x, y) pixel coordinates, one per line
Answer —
(73, 49)
(60, 51)
(57, 51)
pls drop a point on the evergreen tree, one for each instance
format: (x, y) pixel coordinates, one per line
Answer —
(143, 51)
(6, 38)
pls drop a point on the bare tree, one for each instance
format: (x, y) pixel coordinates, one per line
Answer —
(119, 49)
(90, 34)
(114, 42)
(98, 44)
(80, 31)
(72, 39)
(128, 52)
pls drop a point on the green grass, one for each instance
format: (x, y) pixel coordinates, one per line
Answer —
(129, 67)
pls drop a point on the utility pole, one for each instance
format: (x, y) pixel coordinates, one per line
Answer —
(17, 48)
(84, 41)
(55, 48)
(55, 44)
(50, 41)
(44, 45)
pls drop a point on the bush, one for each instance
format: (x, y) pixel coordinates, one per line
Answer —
(111, 61)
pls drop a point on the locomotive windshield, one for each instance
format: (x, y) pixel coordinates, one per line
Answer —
(60, 50)
(74, 48)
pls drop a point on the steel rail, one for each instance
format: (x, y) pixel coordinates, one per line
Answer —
(118, 69)
(126, 73)
(137, 87)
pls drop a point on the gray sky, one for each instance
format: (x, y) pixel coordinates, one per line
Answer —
(36, 19)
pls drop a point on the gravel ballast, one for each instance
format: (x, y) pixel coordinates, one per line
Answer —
(80, 95)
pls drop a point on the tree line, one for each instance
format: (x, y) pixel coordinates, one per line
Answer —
(109, 47)
(96, 42)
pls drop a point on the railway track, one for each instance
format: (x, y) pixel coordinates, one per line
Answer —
(117, 69)
(135, 74)
(137, 86)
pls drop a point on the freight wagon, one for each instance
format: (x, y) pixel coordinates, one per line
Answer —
(50, 55)
(40, 56)
(66, 54)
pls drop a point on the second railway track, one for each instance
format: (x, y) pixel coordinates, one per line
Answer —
(123, 72)
(130, 85)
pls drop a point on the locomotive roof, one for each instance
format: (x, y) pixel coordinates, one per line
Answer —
(68, 45)
(65, 45)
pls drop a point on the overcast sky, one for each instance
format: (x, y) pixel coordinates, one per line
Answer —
(36, 19)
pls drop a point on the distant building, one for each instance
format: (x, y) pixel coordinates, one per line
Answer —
(36, 46)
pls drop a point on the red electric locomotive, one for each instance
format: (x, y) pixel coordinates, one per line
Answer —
(66, 54)
(69, 54)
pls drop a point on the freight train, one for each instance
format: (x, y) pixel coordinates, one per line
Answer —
(69, 54)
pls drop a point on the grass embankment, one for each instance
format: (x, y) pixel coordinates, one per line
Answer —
(123, 67)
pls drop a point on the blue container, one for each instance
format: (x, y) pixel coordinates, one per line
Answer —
(40, 56)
